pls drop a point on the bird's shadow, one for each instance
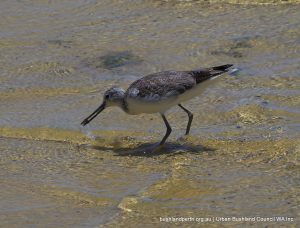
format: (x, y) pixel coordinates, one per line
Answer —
(154, 149)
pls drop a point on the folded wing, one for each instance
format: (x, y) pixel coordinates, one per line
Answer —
(160, 86)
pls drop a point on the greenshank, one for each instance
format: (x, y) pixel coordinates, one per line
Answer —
(158, 92)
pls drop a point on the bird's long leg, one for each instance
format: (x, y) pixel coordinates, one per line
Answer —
(169, 129)
(190, 118)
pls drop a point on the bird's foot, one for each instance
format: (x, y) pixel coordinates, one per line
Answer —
(185, 138)
(182, 138)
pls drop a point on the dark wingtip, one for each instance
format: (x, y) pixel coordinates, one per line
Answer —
(223, 67)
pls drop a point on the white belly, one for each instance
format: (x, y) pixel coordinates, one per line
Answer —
(136, 106)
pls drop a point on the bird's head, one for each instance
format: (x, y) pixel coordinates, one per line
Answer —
(112, 97)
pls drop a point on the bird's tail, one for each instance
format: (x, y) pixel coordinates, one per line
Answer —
(222, 68)
(204, 74)
(217, 70)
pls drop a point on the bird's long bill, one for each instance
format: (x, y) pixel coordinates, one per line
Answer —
(93, 115)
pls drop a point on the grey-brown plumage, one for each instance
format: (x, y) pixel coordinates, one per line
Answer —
(160, 91)
(163, 85)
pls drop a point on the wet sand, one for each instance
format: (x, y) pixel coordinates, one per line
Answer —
(241, 159)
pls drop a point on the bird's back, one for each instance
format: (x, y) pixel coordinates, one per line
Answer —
(164, 89)
(164, 84)
(161, 85)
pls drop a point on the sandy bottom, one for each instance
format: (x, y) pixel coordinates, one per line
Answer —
(125, 183)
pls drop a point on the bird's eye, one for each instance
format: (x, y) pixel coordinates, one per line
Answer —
(106, 96)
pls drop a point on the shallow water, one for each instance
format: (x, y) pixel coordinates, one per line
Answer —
(241, 159)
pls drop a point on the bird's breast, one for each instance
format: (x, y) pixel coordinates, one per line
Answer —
(138, 106)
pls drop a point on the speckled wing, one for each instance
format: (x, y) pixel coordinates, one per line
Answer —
(160, 86)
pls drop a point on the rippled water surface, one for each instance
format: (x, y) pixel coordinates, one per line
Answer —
(241, 159)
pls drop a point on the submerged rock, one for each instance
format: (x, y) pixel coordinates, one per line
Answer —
(114, 60)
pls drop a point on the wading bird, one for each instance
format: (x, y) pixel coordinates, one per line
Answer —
(156, 93)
